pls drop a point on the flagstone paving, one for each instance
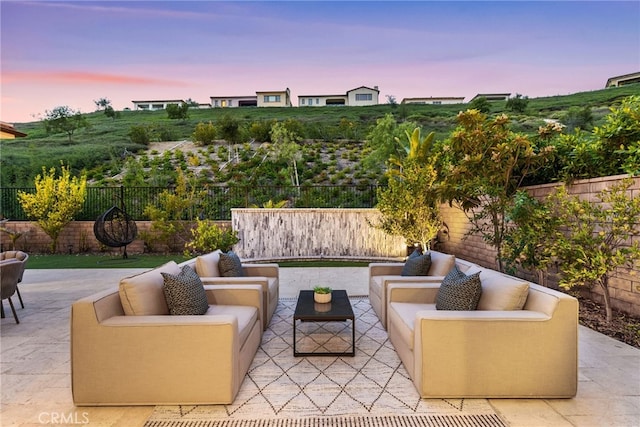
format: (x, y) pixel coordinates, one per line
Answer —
(35, 373)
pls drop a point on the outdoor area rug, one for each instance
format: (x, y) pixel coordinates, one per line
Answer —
(371, 389)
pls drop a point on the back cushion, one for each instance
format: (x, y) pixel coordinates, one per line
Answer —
(142, 295)
(502, 292)
(207, 265)
(441, 264)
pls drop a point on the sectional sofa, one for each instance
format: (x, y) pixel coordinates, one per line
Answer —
(265, 275)
(127, 349)
(521, 341)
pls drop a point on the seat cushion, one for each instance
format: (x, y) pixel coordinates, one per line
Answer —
(502, 292)
(246, 315)
(184, 293)
(207, 265)
(459, 291)
(417, 266)
(403, 315)
(142, 295)
(229, 265)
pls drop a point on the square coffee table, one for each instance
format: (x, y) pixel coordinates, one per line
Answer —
(338, 310)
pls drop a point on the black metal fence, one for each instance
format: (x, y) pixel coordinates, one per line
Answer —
(215, 202)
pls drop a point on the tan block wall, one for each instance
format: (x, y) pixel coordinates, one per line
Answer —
(76, 237)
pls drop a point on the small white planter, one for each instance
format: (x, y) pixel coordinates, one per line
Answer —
(321, 298)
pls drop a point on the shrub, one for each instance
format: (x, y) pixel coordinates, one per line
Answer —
(208, 236)
(204, 134)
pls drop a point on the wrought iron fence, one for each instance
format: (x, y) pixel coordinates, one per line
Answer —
(214, 203)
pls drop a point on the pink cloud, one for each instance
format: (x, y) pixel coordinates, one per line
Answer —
(83, 77)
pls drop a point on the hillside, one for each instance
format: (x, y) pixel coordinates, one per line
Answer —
(333, 141)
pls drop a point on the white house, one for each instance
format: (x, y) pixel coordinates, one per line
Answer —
(492, 96)
(355, 97)
(623, 80)
(154, 105)
(434, 100)
(274, 98)
(234, 101)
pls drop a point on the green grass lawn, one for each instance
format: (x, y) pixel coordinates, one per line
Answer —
(147, 261)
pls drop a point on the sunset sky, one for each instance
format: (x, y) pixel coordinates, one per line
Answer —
(57, 53)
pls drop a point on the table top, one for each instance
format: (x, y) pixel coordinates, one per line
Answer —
(338, 309)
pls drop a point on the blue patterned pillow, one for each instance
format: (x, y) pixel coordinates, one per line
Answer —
(417, 266)
(230, 265)
(459, 291)
(185, 293)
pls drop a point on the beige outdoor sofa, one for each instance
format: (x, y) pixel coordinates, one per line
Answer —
(126, 349)
(265, 275)
(497, 351)
(381, 274)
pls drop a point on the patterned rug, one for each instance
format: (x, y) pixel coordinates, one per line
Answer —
(330, 389)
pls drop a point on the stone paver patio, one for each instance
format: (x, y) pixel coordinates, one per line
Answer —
(35, 372)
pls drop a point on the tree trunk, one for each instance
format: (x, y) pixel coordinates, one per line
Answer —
(604, 284)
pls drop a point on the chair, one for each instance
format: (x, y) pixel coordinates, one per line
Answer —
(23, 257)
(9, 276)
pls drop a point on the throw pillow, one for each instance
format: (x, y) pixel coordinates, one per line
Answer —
(230, 265)
(185, 293)
(417, 266)
(459, 291)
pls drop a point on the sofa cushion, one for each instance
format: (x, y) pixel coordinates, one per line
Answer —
(142, 295)
(502, 292)
(441, 264)
(184, 293)
(246, 315)
(417, 266)
(230, 265)
(459, 291)
(207, 265)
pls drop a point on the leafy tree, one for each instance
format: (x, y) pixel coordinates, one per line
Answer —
(409, 204)
(484, 165)
(204, 134)
(597, 239)
(481, 104)
(526, 241)
(168, 218)
(111, 113)
(285, 147)
(64, 119)
(208, 236)
(391, 100)
(620, 136)
(55, 202)
(229, 129)
(178, 111)
(140, 134)
(102, 103)
(518, 103)
(382, 141)
(261, 130)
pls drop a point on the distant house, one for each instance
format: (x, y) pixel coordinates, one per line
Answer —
(626, 79)
(434, 100)
(8, 131)
(275, 98)
(234, 101)
(359, 96)
(492, 96)
(154, 105)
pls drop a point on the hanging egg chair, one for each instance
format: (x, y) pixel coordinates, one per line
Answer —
(115, 229)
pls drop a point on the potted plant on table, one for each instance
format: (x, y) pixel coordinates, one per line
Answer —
(322, 294)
